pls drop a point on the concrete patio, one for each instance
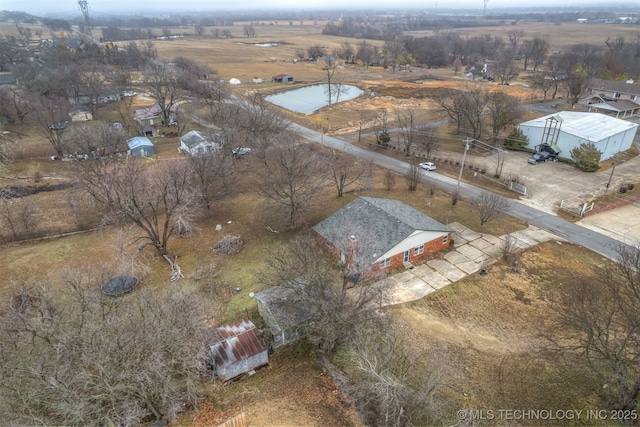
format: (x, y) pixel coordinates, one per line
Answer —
(472, 252)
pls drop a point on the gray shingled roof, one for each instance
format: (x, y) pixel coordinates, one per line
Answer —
(377, 224)
(617, 106)
(613, 86)
(281, 302)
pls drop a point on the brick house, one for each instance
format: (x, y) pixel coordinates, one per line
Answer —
(382, 234)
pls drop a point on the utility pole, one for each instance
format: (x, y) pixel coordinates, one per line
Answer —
(464, 156)
(613, 169)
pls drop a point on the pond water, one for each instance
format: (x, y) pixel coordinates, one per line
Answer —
(308, 99)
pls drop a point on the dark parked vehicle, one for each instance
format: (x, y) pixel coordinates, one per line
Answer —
(540, 157)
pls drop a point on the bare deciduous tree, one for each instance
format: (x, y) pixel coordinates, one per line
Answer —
(345, 171)
(347, 52)
(214, 174)
(228, 245)
(389, 179)
(316, 51)
(365, 53)
(257, 117)
(290, 177)
(165, 86)
(425, 139)
(96, 140)
(540, 81)
(121, 83)
(475, 101)
(9, 214)
(153, 197)
(453, 103)
(381, 128)
(457, 65)
(391, 384)
(249, 30)
(504, 110)
(505, 69)
(598, 318)
(575, 84)
(501, 156)
(412, 177)
(539, 51)
(51, 116)
(490, 206)
(407, 124)
(16, 101)
(514, 37)
(332, 309)
(335, 88)
(73, 356)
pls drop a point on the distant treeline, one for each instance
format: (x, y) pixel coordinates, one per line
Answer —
(380, 30)
(56, 24)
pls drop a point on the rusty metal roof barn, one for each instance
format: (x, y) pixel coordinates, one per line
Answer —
(236, 349)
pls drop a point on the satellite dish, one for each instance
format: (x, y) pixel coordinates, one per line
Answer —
(251, 295)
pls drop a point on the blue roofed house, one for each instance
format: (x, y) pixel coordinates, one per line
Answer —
(140, 146)
(382, 234)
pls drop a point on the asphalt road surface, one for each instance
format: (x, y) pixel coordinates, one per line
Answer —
(569, 231)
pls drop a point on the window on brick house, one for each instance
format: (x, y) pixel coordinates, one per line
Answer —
(385, 263)
(418, 250)
(445, 239)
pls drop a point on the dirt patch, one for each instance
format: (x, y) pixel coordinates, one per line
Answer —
(494, 327)
(294, 390)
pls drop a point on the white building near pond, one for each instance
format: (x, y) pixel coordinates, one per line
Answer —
(608, 134)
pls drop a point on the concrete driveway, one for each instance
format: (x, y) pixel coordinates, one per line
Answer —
(550, 183)
(472, 253)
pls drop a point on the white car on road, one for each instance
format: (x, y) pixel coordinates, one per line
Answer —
(427, 166)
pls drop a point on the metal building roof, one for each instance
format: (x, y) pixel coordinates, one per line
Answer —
(589, 126)
(139, 141)
(235, 342)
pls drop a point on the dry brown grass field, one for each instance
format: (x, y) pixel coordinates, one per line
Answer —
(491, 324)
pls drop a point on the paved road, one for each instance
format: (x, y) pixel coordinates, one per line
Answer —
(569, 231)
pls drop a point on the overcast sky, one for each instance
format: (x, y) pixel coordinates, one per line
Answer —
(64, 7)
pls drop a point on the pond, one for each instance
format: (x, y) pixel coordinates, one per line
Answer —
(308, 99)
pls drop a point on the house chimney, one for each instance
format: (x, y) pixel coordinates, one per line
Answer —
(352, 251)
